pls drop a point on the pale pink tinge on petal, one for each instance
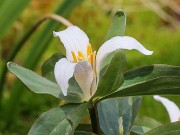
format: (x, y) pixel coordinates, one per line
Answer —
(84, 76)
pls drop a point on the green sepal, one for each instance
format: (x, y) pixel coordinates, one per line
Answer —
(113, 77)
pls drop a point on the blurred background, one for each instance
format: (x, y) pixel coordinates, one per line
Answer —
(155, 23)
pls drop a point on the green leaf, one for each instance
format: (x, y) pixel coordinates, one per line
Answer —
(36, 51)
(117, 28)
(48, 66)
(84, 127)
(115, 63)
(75, 112)
(113, 76)
(75, 115)
(52, 122)
(118, 25)
(146, 122)
(168, 129)
(110, 110)
(83, 133)
(150, 80)
(140, 130)
(9, 12)
(39, 84)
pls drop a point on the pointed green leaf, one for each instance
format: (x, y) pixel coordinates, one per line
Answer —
(113, 76)
(52, 122)
(117, 28)
(48, 66)
(146, 122)
(150, 80)
(39, 84)
(77, 113)
(168, 129)
(111, 110)
(118, 25)
(140, 130)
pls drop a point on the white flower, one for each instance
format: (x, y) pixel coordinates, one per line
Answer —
(171, 107)
(84, 63)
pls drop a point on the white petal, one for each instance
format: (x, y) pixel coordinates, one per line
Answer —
(171, 107)
(63, 71)
(119, 42)
(74, 39)
(84, 77)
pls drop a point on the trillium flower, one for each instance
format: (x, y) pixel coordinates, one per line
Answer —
(171, 107)
(84, 63)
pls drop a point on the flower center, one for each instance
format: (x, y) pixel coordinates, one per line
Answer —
(90, 56)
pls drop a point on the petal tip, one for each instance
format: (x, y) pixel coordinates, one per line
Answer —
(156, 97)
(149, 52)
(55, 34)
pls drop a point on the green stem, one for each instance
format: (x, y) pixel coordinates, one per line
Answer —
(94, 120)
(19, 45)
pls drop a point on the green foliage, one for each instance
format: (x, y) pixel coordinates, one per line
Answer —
(150, 80)
(62, 120)
(168, 129)
(9, 12)
(41, 85)
(140, 130)
(83, 133)
(113, 77)
(51, 122)
(48, 66)
(146, 122)
(155, 79)
(111, 110)
(118, 25)
(37, 49)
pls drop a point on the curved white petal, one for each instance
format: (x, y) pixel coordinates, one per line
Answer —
(84, 76)
(119, 42)
(171, 107)
(74, 39)
(63, 71)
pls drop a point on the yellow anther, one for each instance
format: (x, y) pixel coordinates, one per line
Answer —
(92, 60)
(89, 49)
(74, 57)
(80, 55)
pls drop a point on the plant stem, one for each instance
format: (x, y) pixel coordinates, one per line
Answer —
(20, 44)
(94, 120)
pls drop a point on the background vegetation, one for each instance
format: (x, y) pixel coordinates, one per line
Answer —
(94, 17)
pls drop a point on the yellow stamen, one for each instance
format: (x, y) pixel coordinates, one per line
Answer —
(93, 59)
(74, 57)
(80, 55)
(89, 49)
